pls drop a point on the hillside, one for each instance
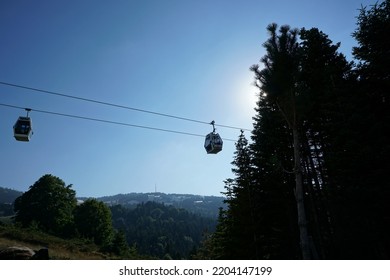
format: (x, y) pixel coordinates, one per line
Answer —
(152, 229)
(8, 195)
(204, 205)
(156, 225)
(207, 206)
(59, 249)
(162, 231)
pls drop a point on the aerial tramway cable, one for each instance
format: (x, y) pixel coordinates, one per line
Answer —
(114, 105)
(107, 121)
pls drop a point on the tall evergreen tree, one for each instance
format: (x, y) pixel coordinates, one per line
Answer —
(323, 83)
(273, 183)
(278, 80)
(236, 236)
(241, 206)
(373, 51)
(368, 144)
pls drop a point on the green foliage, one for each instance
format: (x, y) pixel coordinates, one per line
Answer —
(278, 77)
(363, 149)
(119, 245)
(6, 209)
(49, 204)
(59, 248)
(373, 53)
(217, 245)
(204, 205)
(155, 230)
(93, 221)
(279, 85)
(259, 220)
(161, 231)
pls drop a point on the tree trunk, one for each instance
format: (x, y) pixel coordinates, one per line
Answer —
(303, 233)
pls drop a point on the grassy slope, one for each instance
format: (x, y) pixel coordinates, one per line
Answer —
(58, 248)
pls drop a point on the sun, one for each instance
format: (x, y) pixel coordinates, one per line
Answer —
(246, 94)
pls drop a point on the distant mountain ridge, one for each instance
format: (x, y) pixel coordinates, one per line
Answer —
(8, 196)
(204, 205)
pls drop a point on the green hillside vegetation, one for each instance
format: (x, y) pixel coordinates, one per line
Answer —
(59, 248)
(204, 205)
(6, 209)
(48, 215)
(164, 232)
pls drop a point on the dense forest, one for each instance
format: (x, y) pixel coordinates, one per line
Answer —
(164, 232)
(204, 205)
(313, 182)
(146, 230)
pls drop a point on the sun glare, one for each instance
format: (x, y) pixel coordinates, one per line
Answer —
(246, 95)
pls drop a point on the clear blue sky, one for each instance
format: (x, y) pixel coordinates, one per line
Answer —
(188, 58)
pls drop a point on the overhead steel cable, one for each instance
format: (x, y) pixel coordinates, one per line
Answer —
(116, 105)
(108, 121)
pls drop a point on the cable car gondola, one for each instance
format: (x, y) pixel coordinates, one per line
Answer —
(23, 128)
(213, 142)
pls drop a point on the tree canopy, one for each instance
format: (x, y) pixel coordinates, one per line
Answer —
(48, 204)
(93, 221)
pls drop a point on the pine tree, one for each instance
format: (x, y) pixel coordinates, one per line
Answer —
(278, 80)
(324, 74)
(241, 220)
(273, 180)
(235, 236)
